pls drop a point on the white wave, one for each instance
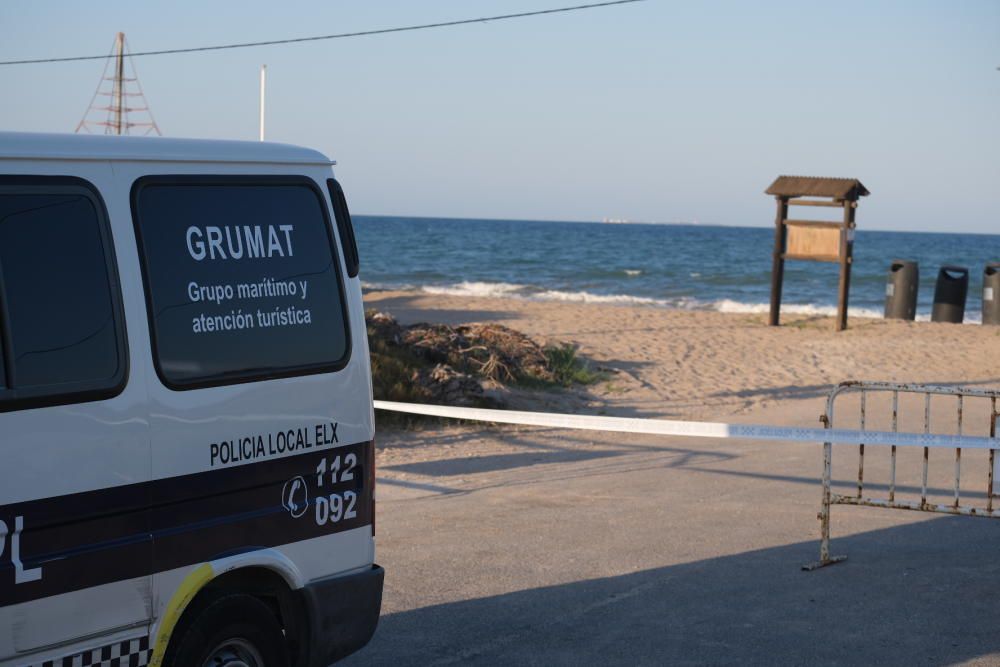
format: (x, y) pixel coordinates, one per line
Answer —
(694, 274)
(516, 291)
(633, 272)
(467, 288)
(589, 297)
(729, 306)
(527, 292)
(369, 287)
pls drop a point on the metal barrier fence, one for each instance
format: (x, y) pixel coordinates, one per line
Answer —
(861, 437)
(866, 390)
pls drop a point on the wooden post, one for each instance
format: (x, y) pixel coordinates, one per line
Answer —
(778, 261)
(846, 259)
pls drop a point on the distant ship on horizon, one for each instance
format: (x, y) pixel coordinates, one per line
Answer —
(626, 221)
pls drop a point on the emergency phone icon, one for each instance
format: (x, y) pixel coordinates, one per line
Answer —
(295, 497)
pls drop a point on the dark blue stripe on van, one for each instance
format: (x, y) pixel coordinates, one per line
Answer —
(98, 537)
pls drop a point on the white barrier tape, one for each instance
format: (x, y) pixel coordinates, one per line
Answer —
(691, 429)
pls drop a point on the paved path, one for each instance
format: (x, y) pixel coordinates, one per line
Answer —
(538, 547)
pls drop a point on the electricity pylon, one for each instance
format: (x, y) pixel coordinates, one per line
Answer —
(115, 112)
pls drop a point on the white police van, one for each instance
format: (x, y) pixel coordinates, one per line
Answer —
(186, 429)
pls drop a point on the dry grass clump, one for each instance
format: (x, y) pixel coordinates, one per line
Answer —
(437, 363)
(489, 351)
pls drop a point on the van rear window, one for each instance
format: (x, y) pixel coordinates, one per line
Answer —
(241, 279)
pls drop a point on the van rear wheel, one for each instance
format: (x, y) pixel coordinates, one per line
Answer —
(233, 631)
(235, 652)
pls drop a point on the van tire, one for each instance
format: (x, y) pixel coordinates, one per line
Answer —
(237, 625)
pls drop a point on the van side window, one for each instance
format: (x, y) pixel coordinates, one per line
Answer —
(241, 278)
(344, 227)
(61, 328)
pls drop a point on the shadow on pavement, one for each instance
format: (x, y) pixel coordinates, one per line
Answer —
(539, 453)
(920, 594)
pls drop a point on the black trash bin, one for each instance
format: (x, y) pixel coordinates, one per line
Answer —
(901, 290)
(991, 293)
(949, 294)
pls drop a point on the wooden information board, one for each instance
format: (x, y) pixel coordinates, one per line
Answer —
(811, 240)
(815, 240)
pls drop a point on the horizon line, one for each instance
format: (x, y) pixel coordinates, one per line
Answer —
(651, 223)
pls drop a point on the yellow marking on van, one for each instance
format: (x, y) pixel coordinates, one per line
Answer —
(193, 583)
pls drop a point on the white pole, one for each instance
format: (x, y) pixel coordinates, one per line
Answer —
(263, 86)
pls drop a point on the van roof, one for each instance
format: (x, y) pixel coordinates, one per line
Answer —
(39, 146)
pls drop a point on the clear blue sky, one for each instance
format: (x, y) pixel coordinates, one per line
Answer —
(654, 111)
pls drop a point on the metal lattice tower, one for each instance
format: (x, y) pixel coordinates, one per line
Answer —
(116, 111)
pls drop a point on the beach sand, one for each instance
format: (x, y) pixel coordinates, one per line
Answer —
(709, 365)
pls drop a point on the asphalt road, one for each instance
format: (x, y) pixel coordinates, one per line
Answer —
(539, 547)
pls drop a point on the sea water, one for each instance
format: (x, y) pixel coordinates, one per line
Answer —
(697, 267)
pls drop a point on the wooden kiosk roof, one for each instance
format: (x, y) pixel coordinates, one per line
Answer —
(848, 189)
